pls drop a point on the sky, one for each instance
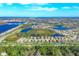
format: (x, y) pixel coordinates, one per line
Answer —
(39, 9)
(39, 1)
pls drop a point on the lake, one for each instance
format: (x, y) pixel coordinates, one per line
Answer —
(57, 35)
(61, 27)
(9, 25)
(26, 29)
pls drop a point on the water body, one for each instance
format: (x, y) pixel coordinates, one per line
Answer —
(7, 26)
(61, 27)
(15, 23)
(26, 29)
(57, 35)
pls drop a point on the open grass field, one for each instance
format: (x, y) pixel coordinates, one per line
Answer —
(40, 32)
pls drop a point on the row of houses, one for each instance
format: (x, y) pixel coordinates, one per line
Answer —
(24, 40)
(42, 39)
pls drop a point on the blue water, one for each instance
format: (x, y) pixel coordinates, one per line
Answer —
(61, 27)
(7, 26)
(26, 29)
(57, 35)
(15, 23)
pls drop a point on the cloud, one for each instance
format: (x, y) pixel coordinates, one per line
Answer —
(76, 7)
(72, 7)
(25, 3)
(66, 7)
(0, 5)
(45, 8)
(9, 3)
(38, 1)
